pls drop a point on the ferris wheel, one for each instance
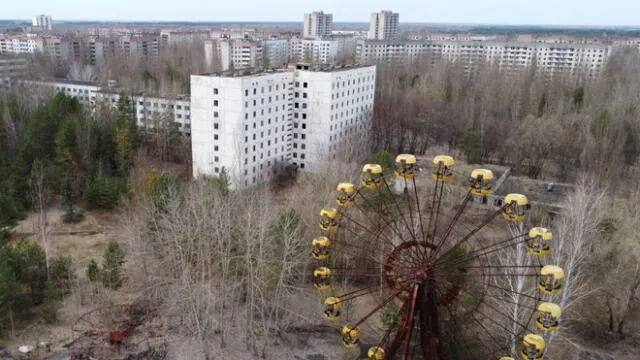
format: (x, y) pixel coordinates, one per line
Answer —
(393, 242)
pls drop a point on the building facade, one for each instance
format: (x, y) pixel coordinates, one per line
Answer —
(234, 54)
(12, 68)
(20, 44)
(316, 51)
(384, 25)
(317, 24)
(256, 125)
(149, 109)
(276, 52)
(43, 22)
(508, 56)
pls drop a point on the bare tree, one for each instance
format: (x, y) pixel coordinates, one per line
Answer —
(40, 196)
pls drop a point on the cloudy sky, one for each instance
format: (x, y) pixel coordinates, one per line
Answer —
(556, 12)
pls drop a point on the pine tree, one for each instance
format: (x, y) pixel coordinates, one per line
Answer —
(51, 303)
(93, 271)
(471, 144)
(11, 294)
(112, 265)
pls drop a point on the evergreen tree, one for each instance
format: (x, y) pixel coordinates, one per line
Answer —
(93, 271)
(51, 303)
(112, 265)
(11, 294)
(126, 134)
(471, 144)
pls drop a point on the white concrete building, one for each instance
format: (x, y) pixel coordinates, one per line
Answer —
(276, 52)
(236, 54)
(43, 22)
(509, 56)
(20, 44)
(314, 51)
(11, 69)
(169, 36)
(317, 24)
(384, 25)
(255, 125)
(149, 109)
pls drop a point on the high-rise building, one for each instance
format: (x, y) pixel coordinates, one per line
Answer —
(11, 69)
(43, 22)
(233, 54)
(317, 24)
(276, 52)
(571, 59)
(316, 51)
(256, 125)
(384, 25)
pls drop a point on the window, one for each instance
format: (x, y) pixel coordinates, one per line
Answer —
(246, 93)
(305, 84)
(301, 156)
(303, 146)
(215, 91)
(216, 159)
(215, 137)
(215, 102)
(301, 166)
(215, 114)
(217, 169)
(304, 126)
(304, 95)
(215, 126)
(215, 148)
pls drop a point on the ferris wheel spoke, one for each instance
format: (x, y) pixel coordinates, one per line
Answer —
(491, 319)
(366, 229)
(507, 300)
(452, 223)
(407, 199)
(471, 233)
(381, 215)
(508, 243)
(358, 293)
(415, 192)
(436, 202)
(514, 292)
(377, 308)
(502, 347)
(386, 222)
(400, 213)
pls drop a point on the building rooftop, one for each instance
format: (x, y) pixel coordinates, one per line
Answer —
(248, 72)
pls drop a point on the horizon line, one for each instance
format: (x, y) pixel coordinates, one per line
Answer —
(335, 22)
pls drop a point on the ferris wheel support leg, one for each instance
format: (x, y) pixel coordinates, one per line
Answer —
(430, 340)
(403, 335)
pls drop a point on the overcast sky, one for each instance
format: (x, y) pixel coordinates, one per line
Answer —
(557, 12)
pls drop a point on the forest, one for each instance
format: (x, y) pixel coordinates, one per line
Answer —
(223, 270)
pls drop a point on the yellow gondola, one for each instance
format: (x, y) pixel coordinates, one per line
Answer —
(328, 219)
(481, 182)
(322, 278)
(346, 194)
(533, 347)
(442, 168)
(372, 176)
(320, 248)
(551, 279)
(376, 353)
(405, 166)
(548, 316)
(350, 336)
(332, 307)
(538, 241)
(514, 207)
